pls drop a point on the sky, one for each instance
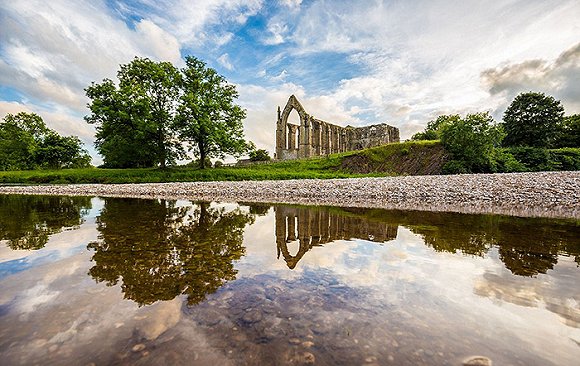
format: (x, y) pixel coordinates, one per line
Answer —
(355, 62)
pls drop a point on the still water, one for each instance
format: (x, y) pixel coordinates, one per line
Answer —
(92, 281)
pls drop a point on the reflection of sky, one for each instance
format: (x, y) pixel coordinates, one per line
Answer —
(454, 295)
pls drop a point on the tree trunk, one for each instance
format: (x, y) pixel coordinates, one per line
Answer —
(162, 152)
(202, 155)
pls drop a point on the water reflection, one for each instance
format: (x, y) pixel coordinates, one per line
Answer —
(366, 287)
(26, 222)
(316, 226)
(159, 250)
(527, 247)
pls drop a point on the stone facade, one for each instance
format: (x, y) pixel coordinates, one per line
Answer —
(314, 137)
(314, 228)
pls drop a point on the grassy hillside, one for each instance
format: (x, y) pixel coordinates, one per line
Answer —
(411, 158)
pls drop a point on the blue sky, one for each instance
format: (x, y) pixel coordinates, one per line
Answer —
(348, 62)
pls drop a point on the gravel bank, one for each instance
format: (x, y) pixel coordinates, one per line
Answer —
(545, 194)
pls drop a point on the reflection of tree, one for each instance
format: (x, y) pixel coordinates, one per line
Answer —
(26, 222)
(159, 250)
(527, 246)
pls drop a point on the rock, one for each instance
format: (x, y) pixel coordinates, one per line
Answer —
(138, 347)
(477, 361)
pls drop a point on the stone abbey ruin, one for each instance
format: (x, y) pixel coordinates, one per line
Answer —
(314, 137)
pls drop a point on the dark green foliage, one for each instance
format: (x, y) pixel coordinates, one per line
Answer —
(157, 110)
(218, 164)
(568, 132)
(532, 119)
(26, 143)
(565, 158)
(259, 155)
(505, 162)
(135, 121)
(471, 142)
(533, 158)
(434, 127)
(209, 120)
(56, 151)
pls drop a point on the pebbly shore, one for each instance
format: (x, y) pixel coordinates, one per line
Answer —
(544, 194)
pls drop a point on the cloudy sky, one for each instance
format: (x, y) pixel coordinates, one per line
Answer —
(348, 62)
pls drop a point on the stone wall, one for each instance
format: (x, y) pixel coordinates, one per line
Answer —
(314, 137)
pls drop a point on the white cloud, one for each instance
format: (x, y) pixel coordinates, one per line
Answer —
(428, 55)
(224, 60)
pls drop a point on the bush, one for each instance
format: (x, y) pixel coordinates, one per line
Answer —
(259, 155)
(535, 159)
(505, 162)
(471, 140)
(455, 167)
(565, 159)
(218, 164)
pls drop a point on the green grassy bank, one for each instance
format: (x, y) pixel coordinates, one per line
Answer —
(412, 158)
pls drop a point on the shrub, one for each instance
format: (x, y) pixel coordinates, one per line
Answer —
(565, 159)
(455, 167)
(218, 164)
(533, 158)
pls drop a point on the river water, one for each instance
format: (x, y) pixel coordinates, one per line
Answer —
(110, 281)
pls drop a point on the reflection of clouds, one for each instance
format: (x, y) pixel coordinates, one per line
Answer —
(558, 293)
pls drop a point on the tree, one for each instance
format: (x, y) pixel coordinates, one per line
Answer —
(209, 121)
(56, 152)
(26, 143)
(532, 119)
(568, 132)
(259, 155)
(433, 129)
(136, 119)
(471, 142)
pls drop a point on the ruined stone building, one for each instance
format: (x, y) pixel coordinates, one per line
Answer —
(312, 228)
(314, 137)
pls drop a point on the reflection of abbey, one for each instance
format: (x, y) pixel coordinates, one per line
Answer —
(314, 137)
(316, 227)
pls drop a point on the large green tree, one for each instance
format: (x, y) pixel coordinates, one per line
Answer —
(209, 120)
(135, 119)
(26, 143)
(157, 110)
(532, 119)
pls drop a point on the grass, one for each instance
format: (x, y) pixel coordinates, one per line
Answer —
(318, 168)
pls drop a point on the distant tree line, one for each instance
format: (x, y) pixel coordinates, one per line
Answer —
(26, 143)
(534, 135)
(157, 113)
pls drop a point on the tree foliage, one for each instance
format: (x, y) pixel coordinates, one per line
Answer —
(568, 132)
(157, 111)
(471, 141)
(434, 127)
(259, 155)
(26, 143)
(532, 119)
(209, 120)
(135, 120)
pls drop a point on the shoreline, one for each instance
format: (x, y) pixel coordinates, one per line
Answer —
(541, 194)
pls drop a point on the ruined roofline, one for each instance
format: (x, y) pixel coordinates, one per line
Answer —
(315, 137)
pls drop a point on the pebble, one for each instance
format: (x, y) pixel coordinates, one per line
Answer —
(546, 194)
(138, 347)
(477, 361)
